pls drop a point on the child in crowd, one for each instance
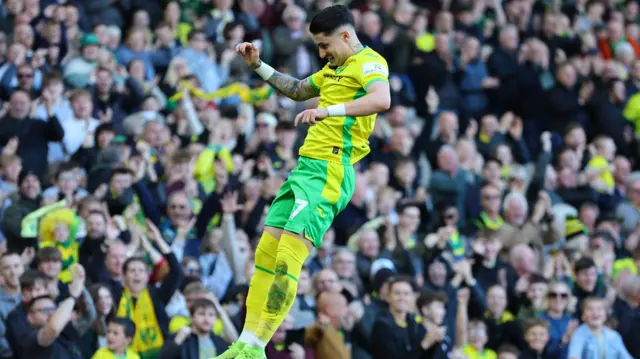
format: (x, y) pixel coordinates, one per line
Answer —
(58, 229)
(472, 336)
(593, 339)
(536, 334)
(120, 333)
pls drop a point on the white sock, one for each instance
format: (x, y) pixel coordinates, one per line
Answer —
(258, 343)
(247, 337)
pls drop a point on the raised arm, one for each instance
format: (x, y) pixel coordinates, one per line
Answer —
(295, 89)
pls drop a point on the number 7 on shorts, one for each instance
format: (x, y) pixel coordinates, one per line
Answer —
(300, 205)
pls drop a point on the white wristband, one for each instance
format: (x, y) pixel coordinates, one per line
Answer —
(265, 71)
(337, 110)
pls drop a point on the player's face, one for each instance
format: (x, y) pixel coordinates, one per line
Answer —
(334, 48)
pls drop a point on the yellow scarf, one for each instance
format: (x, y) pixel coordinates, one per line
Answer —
(148, 340)
(105, 353)
(599, 162)
(504, 318)
(248, 95)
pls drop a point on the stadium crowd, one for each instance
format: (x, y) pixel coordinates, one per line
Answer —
(495, 217)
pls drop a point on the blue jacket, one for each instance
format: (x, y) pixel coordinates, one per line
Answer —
(585, 345)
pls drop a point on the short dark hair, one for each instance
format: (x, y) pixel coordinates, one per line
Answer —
(330, 19)
(104, 127)
(584, 263)
(429, 297)
(201, 303)
(128, 325)
(131, 260)
(50, 78)
(195, 32)
(36, 299)
(49, 254)
(98, 213)
(402, 279)
(537, 278)
(535, 322)
(29, 278)
(120, 171)
(66, 167)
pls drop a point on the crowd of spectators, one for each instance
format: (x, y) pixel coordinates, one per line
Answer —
(496, 216)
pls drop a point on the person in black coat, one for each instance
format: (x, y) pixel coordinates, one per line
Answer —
(398, 333)
(31, 136)
(503, 64)
(186, 344)
(32, 284)
(108, 100)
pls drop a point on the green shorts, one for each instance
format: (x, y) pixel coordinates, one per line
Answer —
(314, 194)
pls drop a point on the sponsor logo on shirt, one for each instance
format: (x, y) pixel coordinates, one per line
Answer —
(333, 77)
(374, 68)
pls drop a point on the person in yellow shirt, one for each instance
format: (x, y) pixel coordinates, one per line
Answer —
(601, 163)
(471, 336)
(353, 87)
(120, 334)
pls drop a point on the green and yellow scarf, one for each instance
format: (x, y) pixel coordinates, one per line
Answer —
(149, 339)
(248, 95)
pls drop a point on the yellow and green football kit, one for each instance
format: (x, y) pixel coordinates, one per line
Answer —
(323, 182)
(316, 191)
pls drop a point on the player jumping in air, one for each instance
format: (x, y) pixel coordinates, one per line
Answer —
(353, 88)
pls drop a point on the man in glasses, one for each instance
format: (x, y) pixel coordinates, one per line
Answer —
(561, 324)
(32, 284)
(52, 336)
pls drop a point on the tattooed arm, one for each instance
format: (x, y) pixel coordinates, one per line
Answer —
(298, 90)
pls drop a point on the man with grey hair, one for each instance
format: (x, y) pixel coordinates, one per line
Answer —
(520, 228)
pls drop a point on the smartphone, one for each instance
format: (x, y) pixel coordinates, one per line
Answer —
(294, 336)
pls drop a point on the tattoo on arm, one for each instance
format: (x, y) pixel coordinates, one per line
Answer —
(298, 90)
